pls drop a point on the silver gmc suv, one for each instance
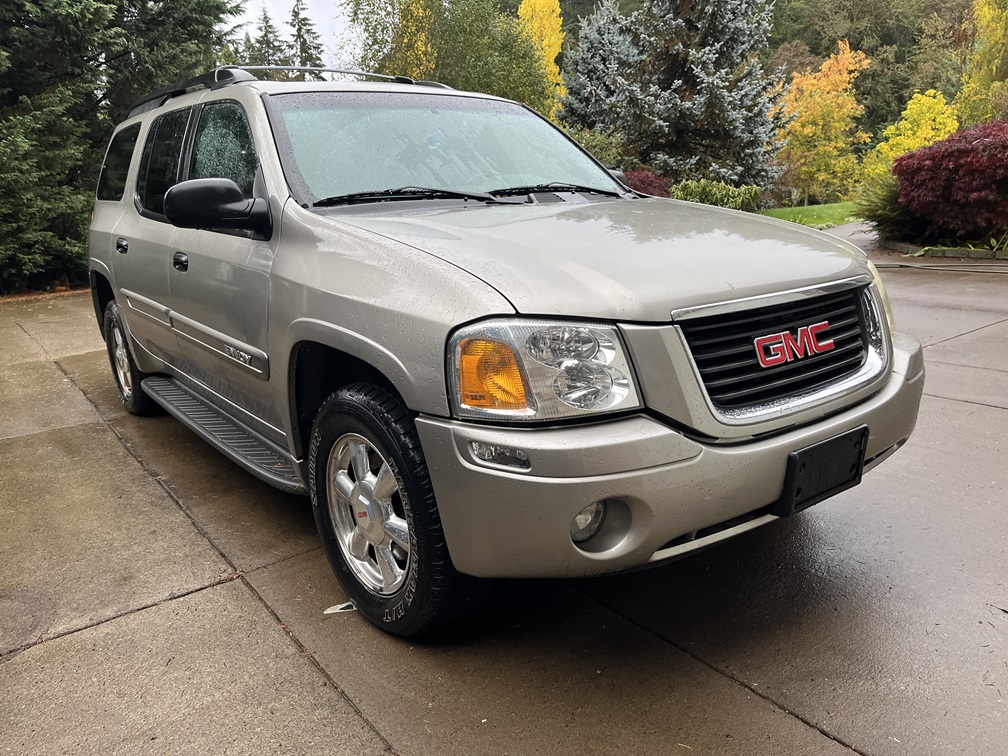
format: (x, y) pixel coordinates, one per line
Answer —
(477, 351)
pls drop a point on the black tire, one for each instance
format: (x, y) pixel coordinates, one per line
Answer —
(363, 437)
(124, 370)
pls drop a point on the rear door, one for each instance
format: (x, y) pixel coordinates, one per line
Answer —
(142, 239)
(111, 198)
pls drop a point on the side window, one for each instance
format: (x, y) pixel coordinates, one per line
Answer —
(223, 146)
(159, 166)
(112, 181)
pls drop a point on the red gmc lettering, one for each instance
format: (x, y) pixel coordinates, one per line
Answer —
(814, 331)
(770, 350)
(778, 348)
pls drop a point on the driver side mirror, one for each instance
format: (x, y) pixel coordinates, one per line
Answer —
(216, 203)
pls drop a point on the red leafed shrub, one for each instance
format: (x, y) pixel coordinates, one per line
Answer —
(648, 182)
(959, 185)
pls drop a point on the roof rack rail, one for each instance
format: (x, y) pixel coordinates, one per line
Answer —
(227, 75)
(366, 74)
(215, 79)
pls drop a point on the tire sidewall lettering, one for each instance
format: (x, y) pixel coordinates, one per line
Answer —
(431, 592)
(319, 451)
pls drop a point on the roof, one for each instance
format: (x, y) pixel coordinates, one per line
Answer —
(236, 75)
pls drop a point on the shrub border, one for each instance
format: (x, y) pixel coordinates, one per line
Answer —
(915, 250)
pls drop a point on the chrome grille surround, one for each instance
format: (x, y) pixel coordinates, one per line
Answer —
(874, 368)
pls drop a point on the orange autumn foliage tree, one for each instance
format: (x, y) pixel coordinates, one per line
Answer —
(818, 155)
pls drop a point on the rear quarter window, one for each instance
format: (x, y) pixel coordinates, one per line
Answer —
(112, 181)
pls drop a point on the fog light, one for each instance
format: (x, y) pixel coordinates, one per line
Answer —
(587, 522)
(500, 455)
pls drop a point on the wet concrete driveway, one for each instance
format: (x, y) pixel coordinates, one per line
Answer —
(154, 598)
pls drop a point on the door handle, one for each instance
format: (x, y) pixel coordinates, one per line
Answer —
(122, 246)
(181, 261)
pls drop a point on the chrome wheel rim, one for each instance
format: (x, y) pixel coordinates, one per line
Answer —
(368, 514)
(120, 361)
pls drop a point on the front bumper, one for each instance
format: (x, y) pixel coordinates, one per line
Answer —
(666, 488)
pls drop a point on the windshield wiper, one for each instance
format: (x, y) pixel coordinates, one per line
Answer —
(553, 186)
(406, 193)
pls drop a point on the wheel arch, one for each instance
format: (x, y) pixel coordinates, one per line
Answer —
(316, 369)
(101, 294)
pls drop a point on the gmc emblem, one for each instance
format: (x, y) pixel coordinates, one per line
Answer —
(778, 348)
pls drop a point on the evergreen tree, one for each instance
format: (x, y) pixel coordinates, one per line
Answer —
(269, 48)
(246, 50)
(47, 189)
(596, 70)
(306, 44)
(794, 56)
(160, 42)
(703, 105)
(69, 71)
(684, 83)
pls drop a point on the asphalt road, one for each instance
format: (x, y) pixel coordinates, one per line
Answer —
(156, 599)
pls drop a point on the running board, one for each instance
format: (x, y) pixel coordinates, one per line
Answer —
(233, 439)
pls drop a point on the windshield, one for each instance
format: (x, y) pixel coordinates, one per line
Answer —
(341, 143)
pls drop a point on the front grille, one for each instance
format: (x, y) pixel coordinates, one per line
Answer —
(723, 347)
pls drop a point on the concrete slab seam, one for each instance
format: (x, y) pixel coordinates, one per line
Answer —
(44, 431)
(281, 560)
(236, 575)
(6, 655)
(159, 479)
(311, 657)
(964, 401)
(971, 367)
(39, 344)
(967, 333)
(724, 673)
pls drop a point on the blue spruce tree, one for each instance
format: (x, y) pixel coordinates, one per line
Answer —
(596, 71)
(683, 81)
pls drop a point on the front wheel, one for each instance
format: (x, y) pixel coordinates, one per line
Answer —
(377, 517)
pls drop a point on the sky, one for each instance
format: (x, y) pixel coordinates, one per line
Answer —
(327, 15)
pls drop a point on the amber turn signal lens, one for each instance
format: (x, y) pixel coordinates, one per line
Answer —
(489, 377)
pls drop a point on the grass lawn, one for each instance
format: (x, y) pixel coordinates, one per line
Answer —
(816, 216)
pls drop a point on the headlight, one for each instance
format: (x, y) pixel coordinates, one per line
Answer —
(884, 295)
(539, 370)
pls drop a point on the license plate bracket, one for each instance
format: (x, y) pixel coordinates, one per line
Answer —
(822, 470)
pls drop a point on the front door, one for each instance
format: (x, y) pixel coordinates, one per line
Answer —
(219, 280)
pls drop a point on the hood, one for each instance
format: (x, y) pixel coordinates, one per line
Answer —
(627, 260)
